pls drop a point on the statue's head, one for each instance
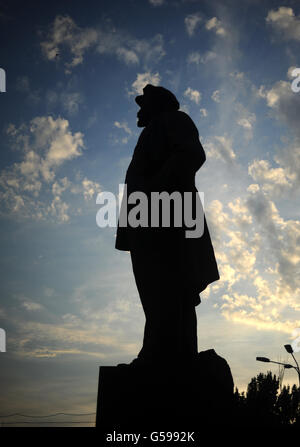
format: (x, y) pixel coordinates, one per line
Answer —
(154, 101)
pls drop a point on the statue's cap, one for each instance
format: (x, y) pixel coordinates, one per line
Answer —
(159, 95)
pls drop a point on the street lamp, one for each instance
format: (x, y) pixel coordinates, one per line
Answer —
(266, 360)
(289, 349)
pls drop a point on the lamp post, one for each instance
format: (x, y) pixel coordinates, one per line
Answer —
(289, 349)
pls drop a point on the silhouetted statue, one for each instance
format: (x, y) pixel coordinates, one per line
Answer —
(170, 269)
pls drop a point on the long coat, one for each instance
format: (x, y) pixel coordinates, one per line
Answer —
(167, 156)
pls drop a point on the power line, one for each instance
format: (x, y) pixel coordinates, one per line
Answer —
(47, 422)
(46, 415)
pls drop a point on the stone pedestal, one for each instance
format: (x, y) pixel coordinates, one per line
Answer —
(178, 398)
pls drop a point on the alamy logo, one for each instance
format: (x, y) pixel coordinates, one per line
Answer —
(2, 340)
(160, 210)
(296, 343)
(295, 84)
(2, 80)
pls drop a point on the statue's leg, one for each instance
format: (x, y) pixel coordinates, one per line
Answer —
(171, 326)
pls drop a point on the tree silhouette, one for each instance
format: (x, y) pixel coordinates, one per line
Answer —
(261, 399)
(284, 406)
(295, 405)
(265, 405)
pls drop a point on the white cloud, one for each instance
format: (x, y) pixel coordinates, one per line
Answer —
(191, 22)
(90, 188)
(196, 58)
(59, 186)
(66, 34)
(68, 101)
(238, 75)
(285, 108)
(245, 122)
(220, 147)
(150, 51)
(71, 101)
(235, 256)
(185, 108)
(90, 331)
(284, 177)
(245, 119)
(289, 159)
(216, 96)
(215, 25)
(31, 306)
(275, 304)
(285, 22)
(59, 209)
(283, 101)
(127, 130)
(123, 126)
(30, 187)
(54, 138)
(283, 253)
(257, 252)
(193, 95)
(142, 80)
(203, 112)
(290, 71)
(46, 144)
(274, 181)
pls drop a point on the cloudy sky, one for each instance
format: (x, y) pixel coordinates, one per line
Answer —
(68, 129)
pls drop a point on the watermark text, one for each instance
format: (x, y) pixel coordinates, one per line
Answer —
(2, 340)
(2, 80)
(166, 210)
(295, 84)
